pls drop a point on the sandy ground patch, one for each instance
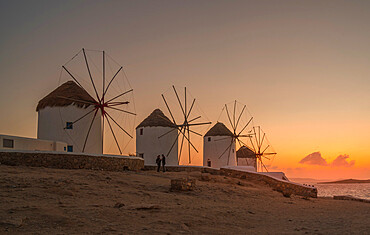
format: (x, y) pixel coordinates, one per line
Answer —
(54, 201)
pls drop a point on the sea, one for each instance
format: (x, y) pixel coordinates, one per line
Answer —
(354, 190)
(361, 190)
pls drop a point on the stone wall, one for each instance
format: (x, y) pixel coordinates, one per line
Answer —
(117, 163)
(71, 161)
(350, 198)
(185, 168)
(287, 188)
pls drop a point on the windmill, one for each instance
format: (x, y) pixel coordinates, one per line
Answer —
(95, 93)
(262, 148)
(239, 121)
(184, 126)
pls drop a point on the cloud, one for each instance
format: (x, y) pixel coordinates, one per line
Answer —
(314, 159)
(341, 160)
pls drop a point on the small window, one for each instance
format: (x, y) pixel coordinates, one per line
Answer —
(70, 148)
(141, 155)
(65, 148)
(209, 139)
(209, 163)
(69, 125)
(141, 131)
(8, 143)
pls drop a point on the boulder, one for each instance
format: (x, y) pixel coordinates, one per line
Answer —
(182, 184)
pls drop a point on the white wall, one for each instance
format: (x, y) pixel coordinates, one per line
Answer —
(151, 146)
(242, 168)
(52, 120)
(213, 149)
(277, 175)
(23, 143)
(248, 162)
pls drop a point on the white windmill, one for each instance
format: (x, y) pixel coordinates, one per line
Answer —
(148, 143)
(94, 93)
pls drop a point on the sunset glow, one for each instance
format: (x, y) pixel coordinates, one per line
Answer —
(301, 67)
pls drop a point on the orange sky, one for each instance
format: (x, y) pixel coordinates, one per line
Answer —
(302, 67)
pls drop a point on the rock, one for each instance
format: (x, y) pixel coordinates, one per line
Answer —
(146, 207)
(185, 227)
(11, 222)
(119, 205)
(183, 184)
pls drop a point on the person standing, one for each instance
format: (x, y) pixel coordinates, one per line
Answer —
(163, 163)
(158, 161)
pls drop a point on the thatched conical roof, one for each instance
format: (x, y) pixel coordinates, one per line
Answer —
(219, 129)
(68, 93)
(156, 118)
(245, 152)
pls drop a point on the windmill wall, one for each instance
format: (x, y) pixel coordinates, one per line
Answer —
(52, 121)
(248, 162)
(214, 146)
(149, 146)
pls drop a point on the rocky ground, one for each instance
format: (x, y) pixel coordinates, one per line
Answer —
(54, 201)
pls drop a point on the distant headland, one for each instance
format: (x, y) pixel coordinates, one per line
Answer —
(347, 181)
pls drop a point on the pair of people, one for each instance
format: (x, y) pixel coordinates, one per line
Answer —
(161, 161)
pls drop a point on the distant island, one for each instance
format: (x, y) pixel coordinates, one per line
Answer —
(308, 180)
(347, 181)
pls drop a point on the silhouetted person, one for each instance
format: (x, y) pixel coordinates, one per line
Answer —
(163, 163)
(158, 161)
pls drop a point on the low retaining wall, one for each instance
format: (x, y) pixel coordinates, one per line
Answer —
(287, 188)
(185, 168)
(71, 161)
(118, 163)
(350, 198)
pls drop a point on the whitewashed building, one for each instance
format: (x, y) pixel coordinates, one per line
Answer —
(63, 106)
(219, 147)
(8, 142)
(152, 140)
(246, 157)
